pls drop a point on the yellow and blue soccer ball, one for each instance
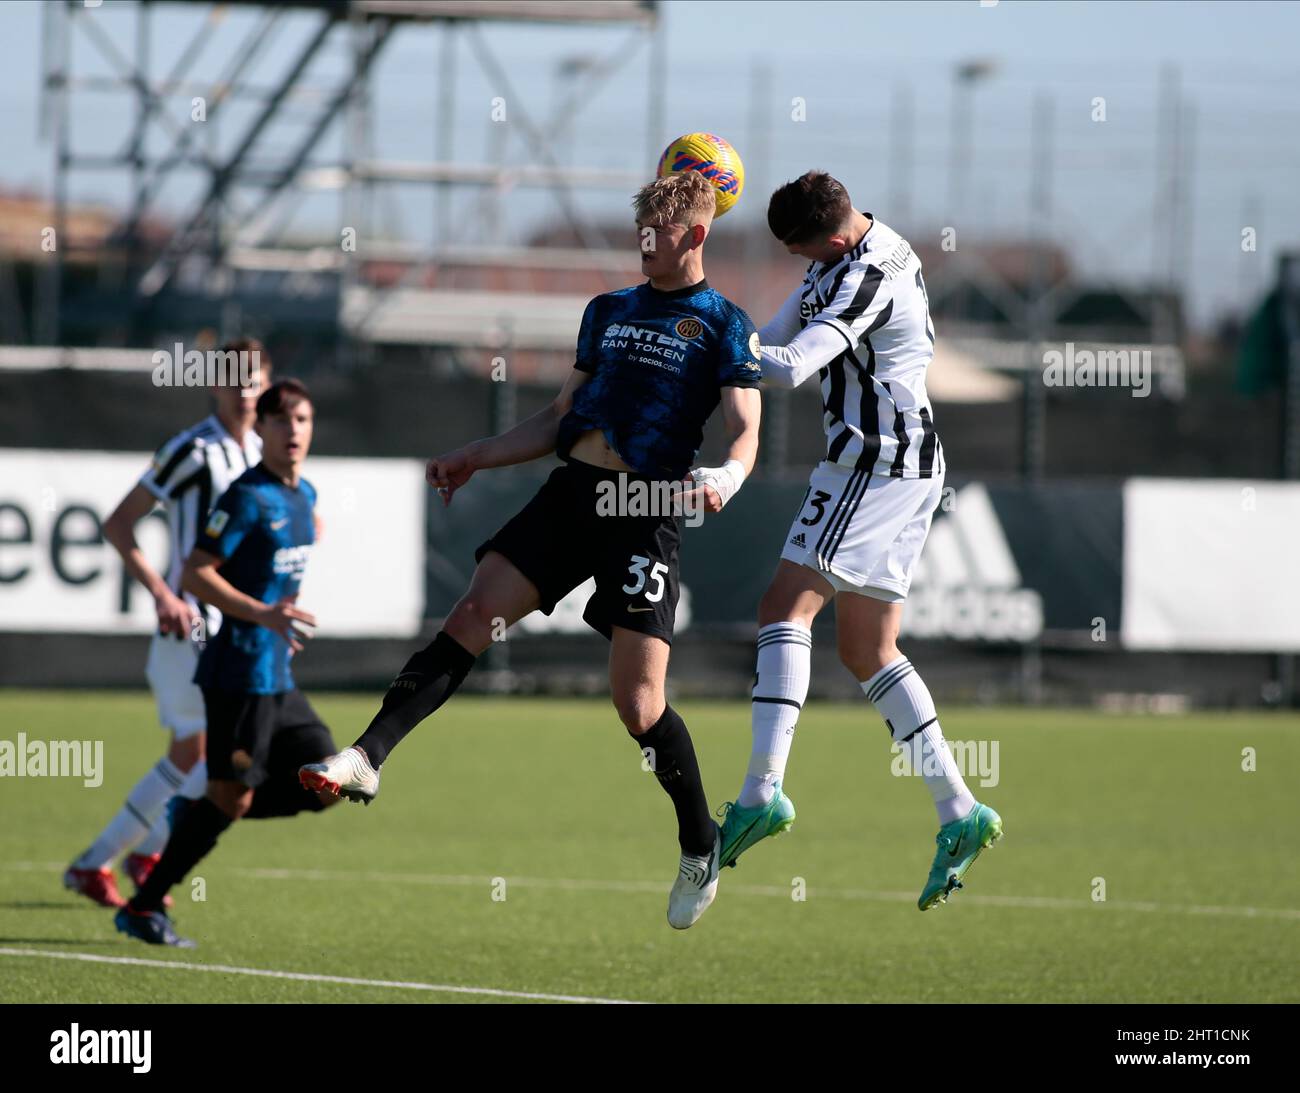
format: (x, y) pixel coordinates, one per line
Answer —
(714, 158)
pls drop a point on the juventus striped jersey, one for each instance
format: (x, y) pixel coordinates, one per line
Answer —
(863, 322)
(188, 475)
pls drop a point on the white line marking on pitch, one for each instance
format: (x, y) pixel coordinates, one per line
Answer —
(1047, 903)
(347, 981)
(1053, 903)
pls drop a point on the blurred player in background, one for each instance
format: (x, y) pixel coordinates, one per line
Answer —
(248, 563)
(653, 361)
(860, 319)
(187, 476)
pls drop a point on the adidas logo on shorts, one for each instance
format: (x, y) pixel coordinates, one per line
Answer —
(798, 541)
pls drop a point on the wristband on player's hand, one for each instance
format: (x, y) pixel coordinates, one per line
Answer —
(725, 480)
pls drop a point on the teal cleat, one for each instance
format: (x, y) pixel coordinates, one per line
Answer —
(960, 843)
(743, 827)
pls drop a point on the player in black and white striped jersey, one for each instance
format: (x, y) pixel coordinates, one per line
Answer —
(869, 336)
(187, 476)
(860, 320)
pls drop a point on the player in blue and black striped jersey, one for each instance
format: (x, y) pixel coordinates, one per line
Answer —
(653, 362)
(248, 562)
(657, 362)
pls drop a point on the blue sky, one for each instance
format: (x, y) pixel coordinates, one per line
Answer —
(1236, 63)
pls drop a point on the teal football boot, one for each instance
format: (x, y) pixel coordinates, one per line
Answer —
(743, 827)
(960, 843)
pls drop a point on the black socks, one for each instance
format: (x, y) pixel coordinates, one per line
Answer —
(672, 758)
(430, 677)
(196, 832)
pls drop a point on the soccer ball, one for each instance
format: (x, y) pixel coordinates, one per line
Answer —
(714, 158)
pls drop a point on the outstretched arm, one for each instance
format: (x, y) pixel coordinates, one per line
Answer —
(784, 325)
(530, 439)
(859, 301)
(810, 350)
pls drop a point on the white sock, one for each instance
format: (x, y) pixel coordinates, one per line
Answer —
(194, 786)
(196, 782)
(136, 817)
(904, 701)
(780, 688)
(156, 840)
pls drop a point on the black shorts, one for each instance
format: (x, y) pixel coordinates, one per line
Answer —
(255, 737)
(565, 535)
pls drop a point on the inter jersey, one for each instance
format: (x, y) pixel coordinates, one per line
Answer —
(263, 530)
(658, 362)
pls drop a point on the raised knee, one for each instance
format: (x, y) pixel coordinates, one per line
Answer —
(470, 611)
(865, 661)
(232, 798)
(184, 754)
(639, 708)
(473, 624)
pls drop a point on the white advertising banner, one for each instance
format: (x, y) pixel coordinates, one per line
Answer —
(1211, 565)
(57, 573)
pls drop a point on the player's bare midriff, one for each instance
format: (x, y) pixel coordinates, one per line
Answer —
(593, 448)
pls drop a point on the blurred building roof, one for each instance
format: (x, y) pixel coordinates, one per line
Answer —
(25, 217)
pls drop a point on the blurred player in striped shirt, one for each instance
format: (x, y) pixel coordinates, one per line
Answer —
(188, 475)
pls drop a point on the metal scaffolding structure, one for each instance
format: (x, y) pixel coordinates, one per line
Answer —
(251, 183)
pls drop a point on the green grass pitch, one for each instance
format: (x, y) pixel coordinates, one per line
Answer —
(1202, 894)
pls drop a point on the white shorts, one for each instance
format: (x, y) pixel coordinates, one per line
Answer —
(170, 671)
(863, 532)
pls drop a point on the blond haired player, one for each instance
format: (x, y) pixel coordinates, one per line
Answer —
(653, 361)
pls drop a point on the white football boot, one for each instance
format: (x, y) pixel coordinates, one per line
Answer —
(348, 774)
(695, 886)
